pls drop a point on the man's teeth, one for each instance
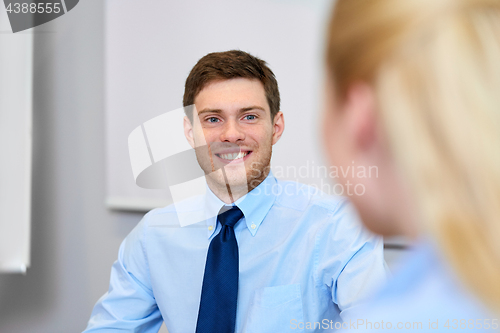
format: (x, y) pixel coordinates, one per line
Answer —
(233, 156)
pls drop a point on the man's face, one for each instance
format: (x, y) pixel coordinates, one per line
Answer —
(235, 124)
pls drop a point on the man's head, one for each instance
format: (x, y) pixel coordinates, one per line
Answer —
(235, 117)
(220, 66)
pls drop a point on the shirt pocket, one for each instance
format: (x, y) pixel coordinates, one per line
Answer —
(275, 309)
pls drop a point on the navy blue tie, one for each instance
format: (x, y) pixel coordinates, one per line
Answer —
(219, 293)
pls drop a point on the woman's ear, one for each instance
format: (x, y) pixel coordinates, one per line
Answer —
(360, 113)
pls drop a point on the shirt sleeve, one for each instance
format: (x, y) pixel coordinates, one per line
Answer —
(129, 305)
(352, 266)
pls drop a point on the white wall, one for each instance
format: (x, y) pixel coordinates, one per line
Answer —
(151, 48)
(16, 52)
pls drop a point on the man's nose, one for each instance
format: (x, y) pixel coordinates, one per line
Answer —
(232, 132)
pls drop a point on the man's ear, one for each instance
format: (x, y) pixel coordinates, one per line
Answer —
(360, 110)
(188, 131)
(278, 126)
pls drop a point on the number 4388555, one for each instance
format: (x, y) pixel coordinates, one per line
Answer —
(33, 8)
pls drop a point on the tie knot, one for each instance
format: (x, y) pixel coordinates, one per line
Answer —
(230, 217)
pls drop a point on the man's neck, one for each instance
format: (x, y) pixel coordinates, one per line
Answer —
(230, 194)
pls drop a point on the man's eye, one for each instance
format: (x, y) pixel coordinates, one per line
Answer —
(213, 119)
(250, 117)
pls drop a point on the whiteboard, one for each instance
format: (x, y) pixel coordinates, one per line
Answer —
(16, 52)
(151, 47)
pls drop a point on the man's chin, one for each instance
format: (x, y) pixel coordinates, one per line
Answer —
(239, 182)
(217, 178)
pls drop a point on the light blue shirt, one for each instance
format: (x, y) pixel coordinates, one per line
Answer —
(425, 295)
(304, 258)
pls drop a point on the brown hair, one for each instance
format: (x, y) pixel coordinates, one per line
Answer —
(227, 65)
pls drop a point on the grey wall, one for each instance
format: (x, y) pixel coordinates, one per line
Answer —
(74, 237)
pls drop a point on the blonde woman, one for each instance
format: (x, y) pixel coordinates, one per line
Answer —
(413, 91)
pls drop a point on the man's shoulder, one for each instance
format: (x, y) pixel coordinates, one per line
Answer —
(299, 196)
(169, 215)
(332, 214)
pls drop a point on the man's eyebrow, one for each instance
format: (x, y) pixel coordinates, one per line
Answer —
(207, 110)
(248, 108)
(253, 107)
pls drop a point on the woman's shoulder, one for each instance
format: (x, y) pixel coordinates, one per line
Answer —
(424, 294)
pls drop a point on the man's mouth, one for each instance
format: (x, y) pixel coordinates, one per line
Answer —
(233, 156)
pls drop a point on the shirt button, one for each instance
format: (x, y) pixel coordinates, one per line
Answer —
(253, 226)
(210, 228)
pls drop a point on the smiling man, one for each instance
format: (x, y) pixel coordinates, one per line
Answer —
(236, 123)
(264, 258)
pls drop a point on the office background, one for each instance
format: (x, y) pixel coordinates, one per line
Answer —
(75, 233)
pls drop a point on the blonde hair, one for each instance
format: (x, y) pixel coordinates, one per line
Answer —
(435, 69)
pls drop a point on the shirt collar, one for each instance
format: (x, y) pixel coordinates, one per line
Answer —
(255, 205)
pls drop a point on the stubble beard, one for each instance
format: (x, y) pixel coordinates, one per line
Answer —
(222, 181)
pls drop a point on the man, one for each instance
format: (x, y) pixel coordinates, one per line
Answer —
(268, 257)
